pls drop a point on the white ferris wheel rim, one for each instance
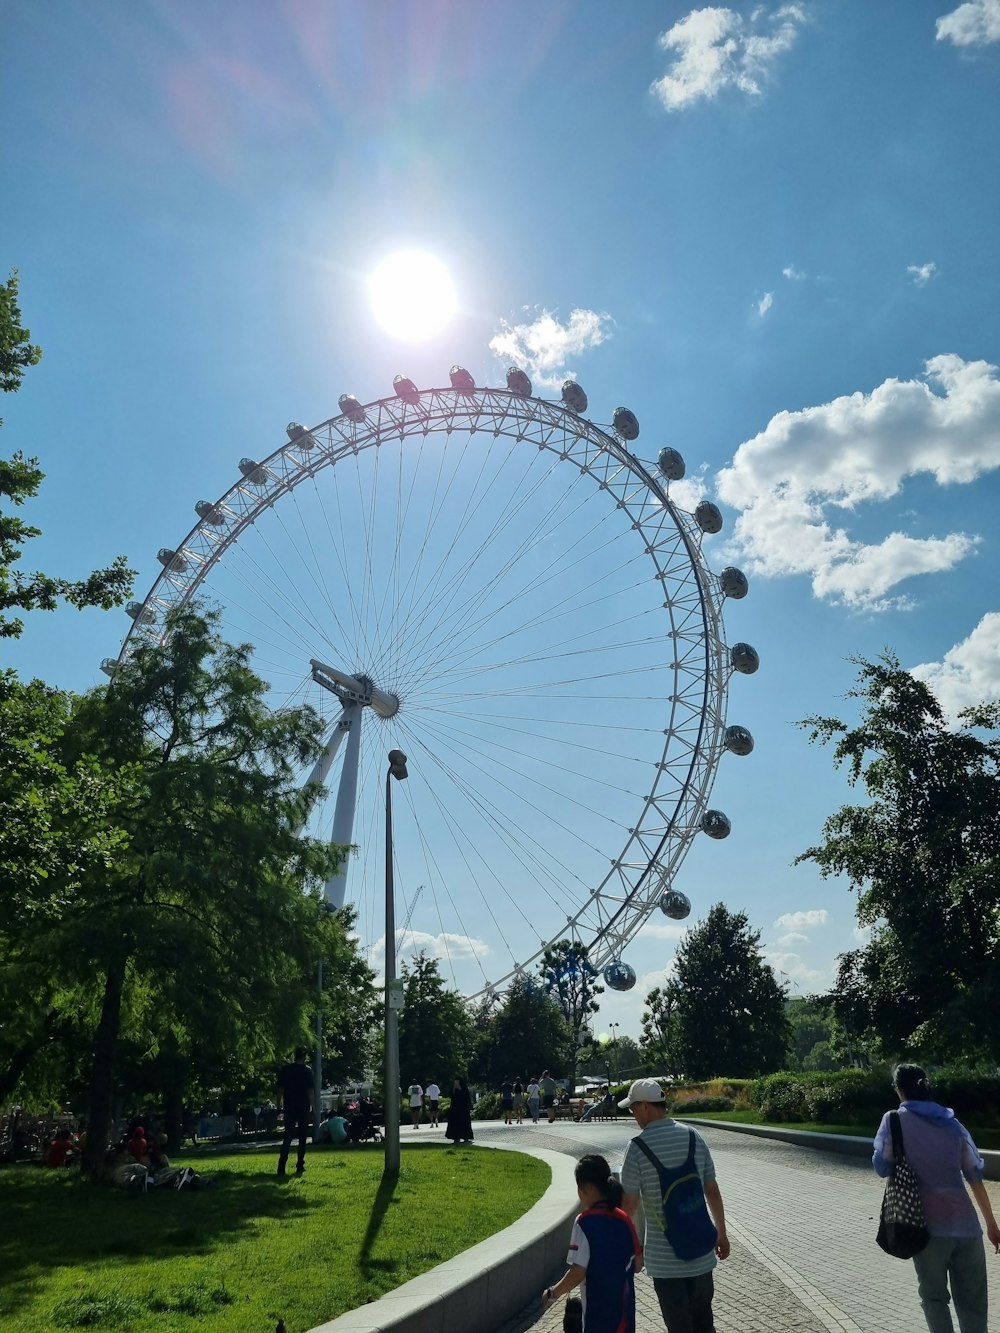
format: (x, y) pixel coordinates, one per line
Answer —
(695, 710)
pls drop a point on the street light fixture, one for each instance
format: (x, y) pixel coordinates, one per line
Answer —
(393, 990)
(614, 1046)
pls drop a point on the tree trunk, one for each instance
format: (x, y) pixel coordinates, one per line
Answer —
(103, 1068)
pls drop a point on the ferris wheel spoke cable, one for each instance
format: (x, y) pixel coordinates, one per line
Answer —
(338, 548)
(500, 724)
(317, 572)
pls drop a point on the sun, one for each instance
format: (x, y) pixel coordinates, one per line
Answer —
(412, 295)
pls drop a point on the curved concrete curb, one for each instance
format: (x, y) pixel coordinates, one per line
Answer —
(848, 1145)
(482, 1287)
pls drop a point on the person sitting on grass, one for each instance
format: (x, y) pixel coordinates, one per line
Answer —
(61, 1149)
(137, 1146)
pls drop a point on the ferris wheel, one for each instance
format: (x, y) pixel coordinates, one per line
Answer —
(502, 588)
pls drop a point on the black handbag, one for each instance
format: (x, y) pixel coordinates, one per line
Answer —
(902, 1231)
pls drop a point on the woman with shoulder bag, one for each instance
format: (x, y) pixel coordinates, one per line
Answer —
(940, 1152)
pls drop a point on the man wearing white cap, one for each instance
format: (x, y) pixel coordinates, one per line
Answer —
(681, 1241)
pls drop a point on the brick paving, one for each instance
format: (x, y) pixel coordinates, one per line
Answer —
(802, 1224)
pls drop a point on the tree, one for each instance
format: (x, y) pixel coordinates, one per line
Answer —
(568, 976)
(217, 893)
(730, 1008)
(809, 1025)
(922, 855)
(20, 478)
(526, 1033)
(434, 1029)
(661, 1030)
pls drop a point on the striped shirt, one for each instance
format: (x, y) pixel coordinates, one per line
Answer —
(669, 1141)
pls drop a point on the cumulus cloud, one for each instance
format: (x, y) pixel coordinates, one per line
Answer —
(792, 273)
(765, 303)
(663, 930)
(860, 449)
(922, 273)
(814, 916)
(444, 945)
(969, 673)
(715, 48)
(791, 968)
(544, 346)
(793, 938)
(976, 23)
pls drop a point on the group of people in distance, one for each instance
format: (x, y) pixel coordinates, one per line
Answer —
(458, 1120)
(683, 1242)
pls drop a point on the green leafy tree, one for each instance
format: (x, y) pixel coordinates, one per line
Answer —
(730, 1008)
(20, 478)
(660, 1041)
(526, 1033)
(209, 897)
(923, 855)
(570, 978)
(435, 1036)
(809, 1025)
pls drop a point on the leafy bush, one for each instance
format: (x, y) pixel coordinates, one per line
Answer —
(693, 1101)
(971, 1096)
(488, 1107)
(780, 1097)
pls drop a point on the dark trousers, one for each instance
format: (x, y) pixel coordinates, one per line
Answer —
(297, 1123)
(686, 1303)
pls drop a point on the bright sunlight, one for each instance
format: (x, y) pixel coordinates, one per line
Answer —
(412, 295)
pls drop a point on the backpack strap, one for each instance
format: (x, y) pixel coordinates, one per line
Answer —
(647, 1150)
(898, 1151)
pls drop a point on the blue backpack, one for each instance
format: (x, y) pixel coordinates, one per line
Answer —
(685, 1220)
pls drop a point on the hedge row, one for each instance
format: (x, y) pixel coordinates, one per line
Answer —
(861, 1096)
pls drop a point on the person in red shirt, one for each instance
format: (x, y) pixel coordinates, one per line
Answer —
(138, 1147)
(60, 1149)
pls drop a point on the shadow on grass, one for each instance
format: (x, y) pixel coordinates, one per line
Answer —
(94, 1223)
(385, 1196)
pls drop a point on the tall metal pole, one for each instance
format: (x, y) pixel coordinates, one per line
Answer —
(391, 1098)
(318, 1062)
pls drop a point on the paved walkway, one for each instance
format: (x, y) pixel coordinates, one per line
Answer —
(802, 1224)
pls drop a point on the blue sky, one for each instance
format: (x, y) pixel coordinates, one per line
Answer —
(768, 230)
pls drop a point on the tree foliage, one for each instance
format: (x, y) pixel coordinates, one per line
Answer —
(730, 1010)
(570, 978)
(922, 855)
(660, 1041)
(520, 1036)
(435, 1035)
(20, 478)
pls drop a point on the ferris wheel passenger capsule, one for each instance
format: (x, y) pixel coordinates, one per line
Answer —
(109, 666)
(733, 583)
(351, 407)
(671, 464)
(708, 516)
(745, 658)
(299, 435)
(675, 904)
(574, 397)
(405, 389)
(619, 975)
(255, 473)
(738, 740)
(715, 824)
(210, 513)
(141, 616)
(518, 382)
(626, 423)
(171, 560)
(461, 379)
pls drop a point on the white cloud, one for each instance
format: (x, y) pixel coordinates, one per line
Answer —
(543, 347)
(792, 273)
(814, 916)
(969, 673)
(922, 273)
(973, 24)
(793, 938)
(663, 930)
(716, 48)
(765, 303)
(855, 449)
(444, 945)
(790, 967)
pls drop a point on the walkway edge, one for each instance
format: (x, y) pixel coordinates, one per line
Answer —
(491, 1282)
(846, 1144)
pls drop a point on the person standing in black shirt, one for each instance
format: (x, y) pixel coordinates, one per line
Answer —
(295, 1084)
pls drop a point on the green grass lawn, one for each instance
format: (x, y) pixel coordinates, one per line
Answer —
(251, 1250)
(985, 1138)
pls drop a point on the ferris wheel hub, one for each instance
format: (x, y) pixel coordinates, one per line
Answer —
(359, 689)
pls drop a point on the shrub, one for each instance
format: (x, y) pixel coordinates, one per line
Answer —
(971, 1096)
(780, 1097)
(488, 1107)
(693, 1101)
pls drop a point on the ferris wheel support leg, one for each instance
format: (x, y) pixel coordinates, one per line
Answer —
(323, 764)
(347, 796)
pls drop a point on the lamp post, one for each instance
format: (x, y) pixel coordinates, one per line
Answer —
(614, 1047)
(393, 996)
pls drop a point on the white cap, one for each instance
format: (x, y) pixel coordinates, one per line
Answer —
(643, 1090)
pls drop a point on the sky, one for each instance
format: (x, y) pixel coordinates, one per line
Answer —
(768, 230)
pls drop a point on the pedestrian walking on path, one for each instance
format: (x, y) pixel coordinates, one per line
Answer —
(416, 1095)
(460, 1113)
(534, 1094)
(681, 1262)
(604, 1253)
(942, 1156)
(433, 1094)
